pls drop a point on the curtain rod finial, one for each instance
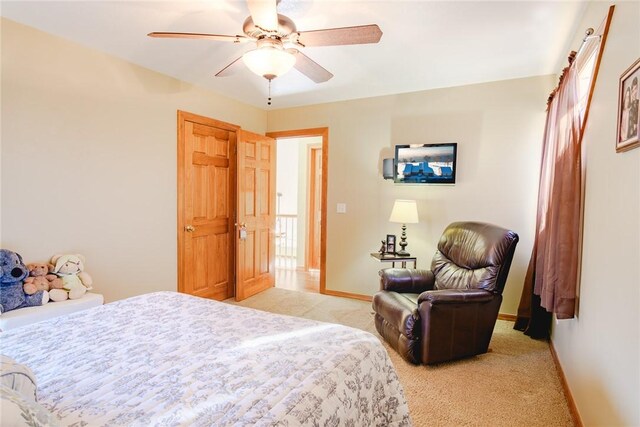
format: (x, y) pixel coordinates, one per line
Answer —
(588, 34)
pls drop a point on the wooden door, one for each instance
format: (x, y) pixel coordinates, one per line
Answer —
(255, 246)
(315, 207)
(206, 201)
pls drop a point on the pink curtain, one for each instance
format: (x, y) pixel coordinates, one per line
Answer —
(551, 281)
(558, 227)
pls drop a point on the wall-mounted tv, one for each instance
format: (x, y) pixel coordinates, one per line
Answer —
(426, 164)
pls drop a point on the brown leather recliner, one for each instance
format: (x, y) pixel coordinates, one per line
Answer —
(448, 312)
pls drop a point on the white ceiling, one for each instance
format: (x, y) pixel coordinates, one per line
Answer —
(425, 45)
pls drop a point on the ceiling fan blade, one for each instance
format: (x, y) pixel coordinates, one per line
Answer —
(362, 34)
(230, 69)
(310, 68)
(264, 14)
(218, 37)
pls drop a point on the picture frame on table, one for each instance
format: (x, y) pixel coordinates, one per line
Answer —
(391, 243)
(628, 134)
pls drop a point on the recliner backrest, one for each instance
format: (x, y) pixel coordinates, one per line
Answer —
(473, 255)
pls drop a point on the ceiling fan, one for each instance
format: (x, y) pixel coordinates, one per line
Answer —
(278, 42)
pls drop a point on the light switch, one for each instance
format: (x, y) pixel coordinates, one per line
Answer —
(342, 208)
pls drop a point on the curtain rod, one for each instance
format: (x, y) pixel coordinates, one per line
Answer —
(588, 35)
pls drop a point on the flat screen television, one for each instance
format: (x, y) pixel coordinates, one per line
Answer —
(426, 164)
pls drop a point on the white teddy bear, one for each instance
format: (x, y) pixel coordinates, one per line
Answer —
(75, 281)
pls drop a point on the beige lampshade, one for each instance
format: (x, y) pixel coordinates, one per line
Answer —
(269, 62)
(404, 212)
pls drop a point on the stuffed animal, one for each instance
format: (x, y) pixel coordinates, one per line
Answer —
(40, 280)
(75, 281)
(12, 273)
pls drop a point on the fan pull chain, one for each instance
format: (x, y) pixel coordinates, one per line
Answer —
(269, 99)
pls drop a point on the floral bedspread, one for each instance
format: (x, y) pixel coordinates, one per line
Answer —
(169, 359)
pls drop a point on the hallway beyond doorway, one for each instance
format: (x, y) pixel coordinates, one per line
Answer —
(298, 204)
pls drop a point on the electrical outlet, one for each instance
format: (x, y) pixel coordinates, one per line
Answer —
(341, 208)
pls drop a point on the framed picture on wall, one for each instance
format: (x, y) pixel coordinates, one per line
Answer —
(391, 243)
(628, 135)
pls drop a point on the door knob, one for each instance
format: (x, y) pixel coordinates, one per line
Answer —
(189, 229)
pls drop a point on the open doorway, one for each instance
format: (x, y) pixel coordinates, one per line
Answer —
(298, 213)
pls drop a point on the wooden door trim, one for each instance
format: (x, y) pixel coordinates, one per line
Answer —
(311, 185)
(186, 116)
(341, 294)
(324, 133)
(182, 117)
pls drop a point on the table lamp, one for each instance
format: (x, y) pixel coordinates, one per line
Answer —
(404, 212)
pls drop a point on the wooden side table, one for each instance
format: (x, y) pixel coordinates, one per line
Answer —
(392, 258)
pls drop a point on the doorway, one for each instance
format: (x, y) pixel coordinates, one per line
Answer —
(301, 209)
(298, 204)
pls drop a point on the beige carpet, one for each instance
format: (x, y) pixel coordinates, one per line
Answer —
(514, 384)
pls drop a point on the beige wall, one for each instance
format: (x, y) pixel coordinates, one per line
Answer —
(600, 349)
(89, 158)
(498, 127)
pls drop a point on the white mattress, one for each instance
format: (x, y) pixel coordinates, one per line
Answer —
(25, 316)
(169, 359)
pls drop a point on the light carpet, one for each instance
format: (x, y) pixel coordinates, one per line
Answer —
(514, 384)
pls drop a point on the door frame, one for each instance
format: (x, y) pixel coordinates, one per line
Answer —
(184, 116)
(324, 133)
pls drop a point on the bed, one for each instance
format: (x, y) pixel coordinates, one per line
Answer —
(169, 359)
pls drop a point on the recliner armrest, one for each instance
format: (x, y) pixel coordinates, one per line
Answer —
(455, 296)
(406, 280)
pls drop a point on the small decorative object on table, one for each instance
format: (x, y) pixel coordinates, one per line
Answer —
(391, 244)
(383, 248)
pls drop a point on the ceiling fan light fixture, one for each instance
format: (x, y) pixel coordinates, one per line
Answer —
(269, 62)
